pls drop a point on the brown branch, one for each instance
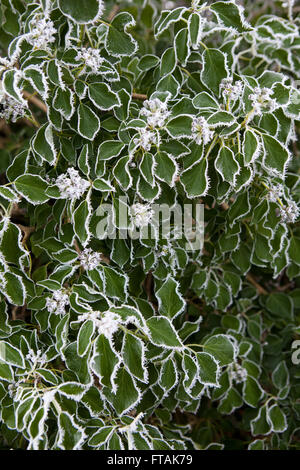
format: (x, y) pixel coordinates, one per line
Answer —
(139, 96)
(27, 232)
(225, 206)
(16, 212)
(76, 246)
(148, 285)
(113, 13)
(259, 288)
(14, 312)
(34, 100)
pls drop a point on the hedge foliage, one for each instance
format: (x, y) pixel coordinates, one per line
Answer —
(136, 343)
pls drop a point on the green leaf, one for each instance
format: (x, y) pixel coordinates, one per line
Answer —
(70, 434)
(230, 402)
(13, 288)
(166, 20)
(227, 165)
(109, 149)
(5, 370)
(168, 375)
(260, 425)
(148, 62)
(258, 444)
(165, 168)
(133, 354)
(163, 333)
(230, 15)
(168, 61)
(102, 96)
(43, 144)
(214, 69)
(170, 301)
(105, 362)
(32, 187)
(10, 83)
(195, 29)
(93, 401)
(63, 102)
(121, 172)
(195, 179)
(208, 369)
(101, 436)
(252, 392)
(88, 122)
(281, 305)
(280, 375)
(81, 217)
(118, 41)
(127, 394)
(180, 126)
(276, 155)
(204, 100)
(11, 355)
(81, 12)
(147, 167)
(221, 348)
(84, 337)
(72, 390)
(276, 419)
(115, 283)
(102, 185)
(294, 250)
(221, 118)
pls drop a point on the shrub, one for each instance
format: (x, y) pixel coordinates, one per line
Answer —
(111, 341)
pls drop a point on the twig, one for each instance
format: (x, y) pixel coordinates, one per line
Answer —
(27, 232)
(139, 96)
(76, 246)
(113, 13)
(14, 312)
(225, 206)
(260, 289)
(34, 100)
(148, 285)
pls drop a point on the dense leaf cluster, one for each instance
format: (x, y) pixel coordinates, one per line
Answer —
(132, 342)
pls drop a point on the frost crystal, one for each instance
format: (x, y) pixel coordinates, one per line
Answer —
(237, 373)
(42, 34)
(146, 139)
(91, 58)
(233, 92)
(201, 131)
(107, 323)
(169, 5)
(37, 359)
(290, 212)
(58, 302)
(262, 101)
(6, 63)
(71, 185)
(276, 191)
(133, 426)
(141, 214)
(89, 259)
(156, 112)
(195, 4)
(101, 7)
(10, 109)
